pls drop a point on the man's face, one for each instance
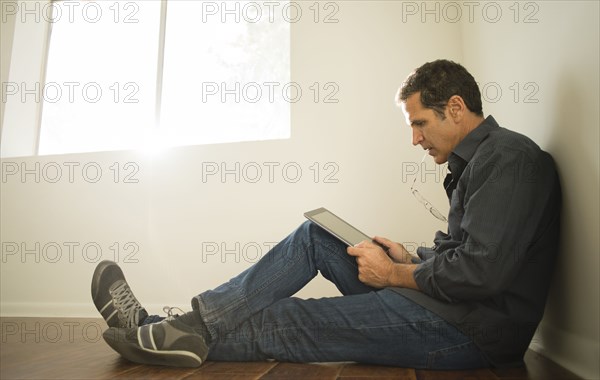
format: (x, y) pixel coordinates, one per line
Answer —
(437, 136)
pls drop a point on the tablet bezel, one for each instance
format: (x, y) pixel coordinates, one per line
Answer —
(310, 215)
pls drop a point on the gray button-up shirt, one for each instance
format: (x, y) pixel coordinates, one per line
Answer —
(489, 274)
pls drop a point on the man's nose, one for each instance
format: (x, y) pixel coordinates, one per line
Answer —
(417, 136)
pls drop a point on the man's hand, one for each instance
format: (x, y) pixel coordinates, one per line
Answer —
(377, 269)
(374, 266)
(395, 250)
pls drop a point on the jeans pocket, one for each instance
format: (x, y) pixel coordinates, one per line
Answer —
(461, 356)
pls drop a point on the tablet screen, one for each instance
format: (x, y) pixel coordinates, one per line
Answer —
(336, 226)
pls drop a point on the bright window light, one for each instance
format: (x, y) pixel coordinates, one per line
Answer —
(100, 85)
(223, 76)
(227, 73)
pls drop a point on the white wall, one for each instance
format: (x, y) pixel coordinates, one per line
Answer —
(173, 216)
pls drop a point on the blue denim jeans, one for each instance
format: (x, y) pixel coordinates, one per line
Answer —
(254, 316)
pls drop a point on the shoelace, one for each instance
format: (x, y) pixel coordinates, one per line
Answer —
(169, 311)
(127, 305)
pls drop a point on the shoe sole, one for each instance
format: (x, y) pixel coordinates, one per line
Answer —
(115, 338)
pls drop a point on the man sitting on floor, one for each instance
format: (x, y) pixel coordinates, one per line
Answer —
(472, 300)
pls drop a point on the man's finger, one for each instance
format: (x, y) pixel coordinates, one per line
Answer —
(363, 244)
(358, 249)
(381, 240)
(353, 251)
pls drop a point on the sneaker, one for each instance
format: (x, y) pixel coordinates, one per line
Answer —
(169, 343)
(113, 297)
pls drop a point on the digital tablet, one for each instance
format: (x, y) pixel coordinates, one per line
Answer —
(337, 226)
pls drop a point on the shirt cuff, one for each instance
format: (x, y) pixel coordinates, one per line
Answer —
(423, 277)
(425, 253)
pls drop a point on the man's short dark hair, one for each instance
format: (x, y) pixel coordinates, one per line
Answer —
(437, 82)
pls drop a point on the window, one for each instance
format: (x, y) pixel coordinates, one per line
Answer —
(224, 81)
(137, 74)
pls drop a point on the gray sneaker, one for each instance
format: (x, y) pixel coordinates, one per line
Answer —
(113, 297)
(169, 343)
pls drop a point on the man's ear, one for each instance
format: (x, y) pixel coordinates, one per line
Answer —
(456, 108)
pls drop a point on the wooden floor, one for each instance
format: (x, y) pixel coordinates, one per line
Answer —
(60, 348)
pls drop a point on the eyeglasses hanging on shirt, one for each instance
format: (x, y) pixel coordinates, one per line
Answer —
(434, 211)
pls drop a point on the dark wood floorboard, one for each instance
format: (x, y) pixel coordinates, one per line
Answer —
(63, 348)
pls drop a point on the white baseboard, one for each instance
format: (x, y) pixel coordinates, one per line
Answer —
(574, 352)
(66, 310)
(39, 309)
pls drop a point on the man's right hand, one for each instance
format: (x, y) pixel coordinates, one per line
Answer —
(396, 251)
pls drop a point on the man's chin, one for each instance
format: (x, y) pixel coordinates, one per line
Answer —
(439, 158)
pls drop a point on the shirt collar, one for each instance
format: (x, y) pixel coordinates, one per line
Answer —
(464, 151)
